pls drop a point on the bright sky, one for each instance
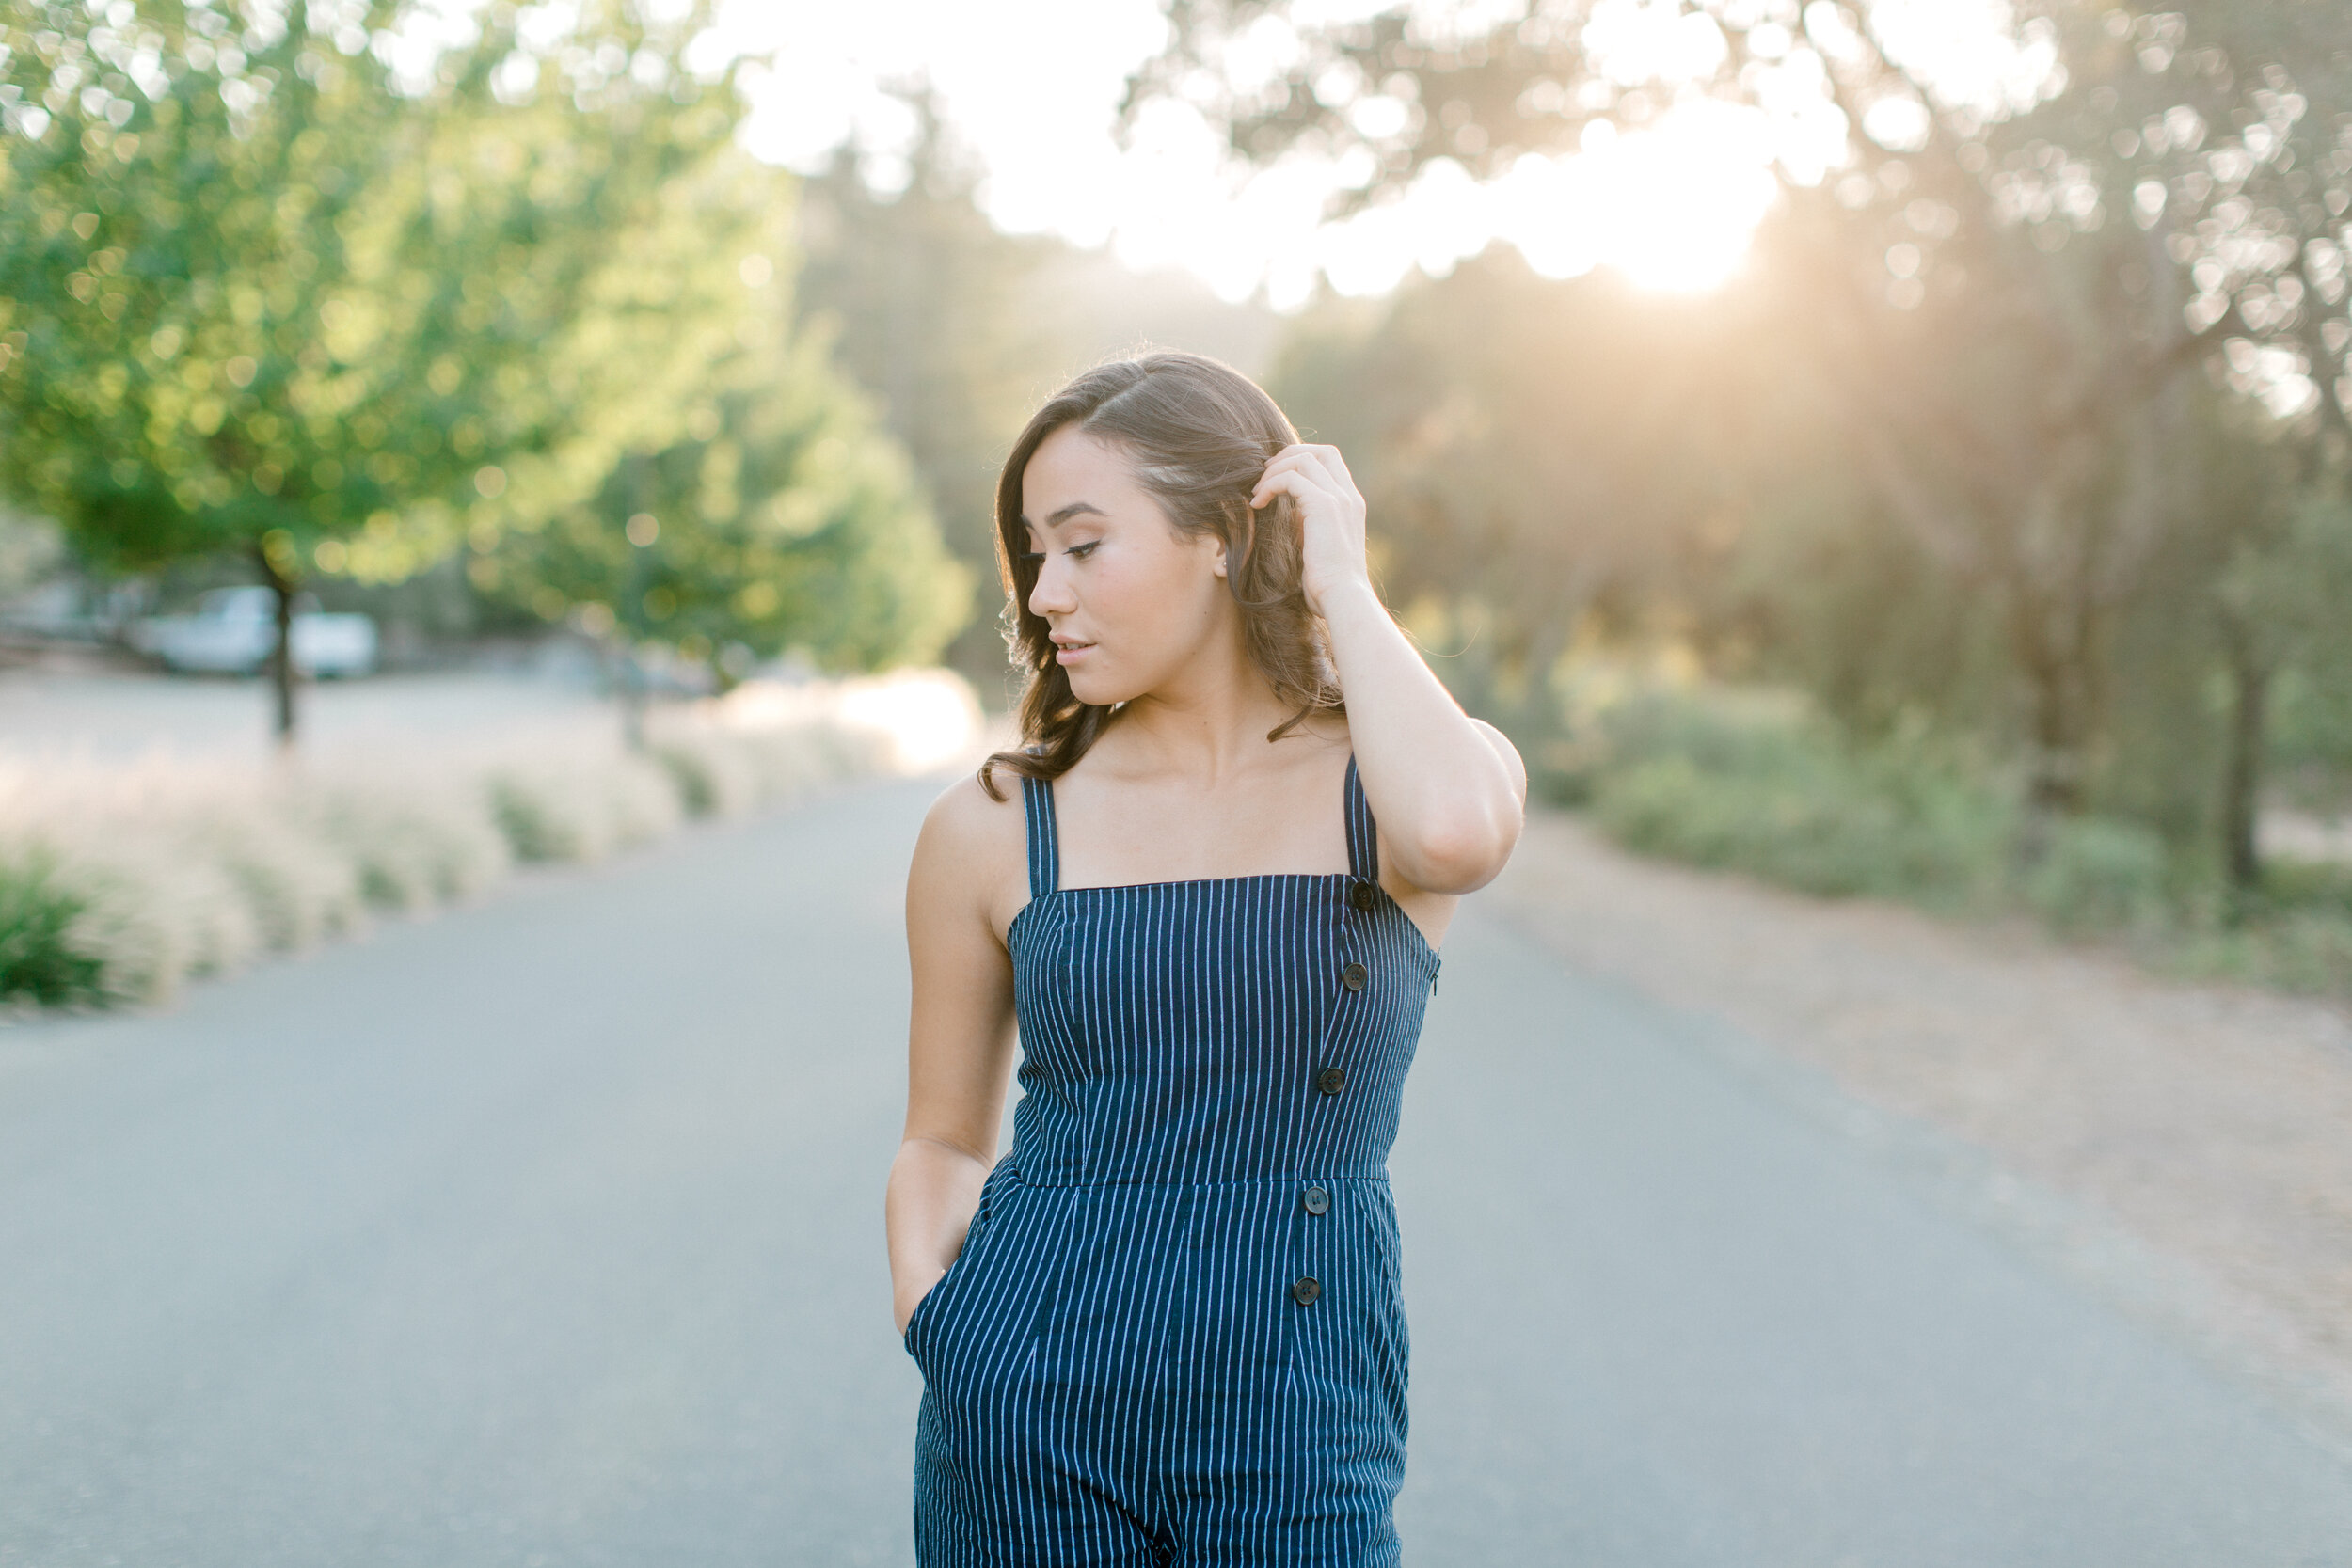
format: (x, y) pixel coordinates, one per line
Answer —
(1033, 88)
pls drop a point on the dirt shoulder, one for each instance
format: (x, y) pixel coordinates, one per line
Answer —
(2214, 1124)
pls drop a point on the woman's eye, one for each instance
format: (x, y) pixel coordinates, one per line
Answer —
(1031, 555)
(1082, 551)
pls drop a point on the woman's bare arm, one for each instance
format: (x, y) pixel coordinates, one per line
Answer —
(960, 1041)
(1449, 791)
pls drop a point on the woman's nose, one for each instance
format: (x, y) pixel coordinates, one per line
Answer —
(1050, 595)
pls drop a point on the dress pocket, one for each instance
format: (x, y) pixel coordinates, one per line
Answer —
(1391, 1336)
(924, 1308)
(1381, 1235)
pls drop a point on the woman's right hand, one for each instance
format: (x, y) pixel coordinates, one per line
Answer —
(934, 1192)
(910, 1297)
(968, 860)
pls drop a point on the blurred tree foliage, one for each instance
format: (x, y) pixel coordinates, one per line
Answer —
(1540, 455)
(782, 520)
(323, 284)
(927, 305)
(2026, 344)
(959, 330)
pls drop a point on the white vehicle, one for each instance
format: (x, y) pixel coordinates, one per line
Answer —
(234, 630)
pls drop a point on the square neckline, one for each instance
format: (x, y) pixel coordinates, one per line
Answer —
(1419, 937)
(1044, 852)
(1363, 859)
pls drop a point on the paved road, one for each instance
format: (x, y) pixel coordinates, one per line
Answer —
(547, 1233)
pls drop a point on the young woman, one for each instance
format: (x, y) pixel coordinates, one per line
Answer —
(1167, 1327)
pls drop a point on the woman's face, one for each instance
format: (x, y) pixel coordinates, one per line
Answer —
(1130, 599)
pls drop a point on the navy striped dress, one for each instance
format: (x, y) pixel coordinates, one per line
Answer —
(1175, 1331)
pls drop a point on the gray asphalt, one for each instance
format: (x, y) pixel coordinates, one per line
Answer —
(548, 1233)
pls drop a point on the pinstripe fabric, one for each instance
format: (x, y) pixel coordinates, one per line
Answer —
(1117, 1368)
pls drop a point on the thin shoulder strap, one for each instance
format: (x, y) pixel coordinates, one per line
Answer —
(1037, 798)
(1363, 843)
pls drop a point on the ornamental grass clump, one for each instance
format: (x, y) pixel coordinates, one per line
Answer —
(415, 842)
(580, 807)
(817, 754)
(39, 961)
(711, 777)
(120, 884)
(301, 886)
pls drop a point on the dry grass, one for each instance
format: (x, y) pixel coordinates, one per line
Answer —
(120, 884)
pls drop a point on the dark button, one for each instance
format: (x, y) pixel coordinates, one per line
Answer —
(1360, 895)
(1353, 976)
(1307, 1292)
(1316, 1199)
(1331, 1080)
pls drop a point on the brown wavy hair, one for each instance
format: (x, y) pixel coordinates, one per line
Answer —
(1198, 433)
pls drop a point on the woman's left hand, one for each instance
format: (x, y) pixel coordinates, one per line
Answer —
(1331, 517)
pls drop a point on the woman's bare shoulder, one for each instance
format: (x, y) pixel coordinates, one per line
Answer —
(973, 851)
(966, 821)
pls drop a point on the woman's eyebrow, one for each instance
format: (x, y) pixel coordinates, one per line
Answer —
(1064, 514)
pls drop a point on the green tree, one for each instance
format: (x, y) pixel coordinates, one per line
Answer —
(2270, 558)
(783, 518)
(959, 330)
(926, 303)
(2004, 299)
(1520, 507)
(261, 291)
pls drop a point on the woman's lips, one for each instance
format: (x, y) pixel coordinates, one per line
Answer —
(1070, 652)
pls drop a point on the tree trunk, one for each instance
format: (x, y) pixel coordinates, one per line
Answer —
(628, 677)
(2241, 783)
(634, 700)
(2054, 659)
(282, 668)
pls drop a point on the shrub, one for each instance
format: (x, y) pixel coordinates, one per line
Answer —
(2309, 950)
(2295, 934)
(299, 886)
(826, 754)
(580, 808)
(151, 913)
(39, 960)
(543, 818)
(712, 778)
(416, 844)
(2096, 875)
(1762, 788)
(119, 885)
(636, 800)
(1754, 783)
